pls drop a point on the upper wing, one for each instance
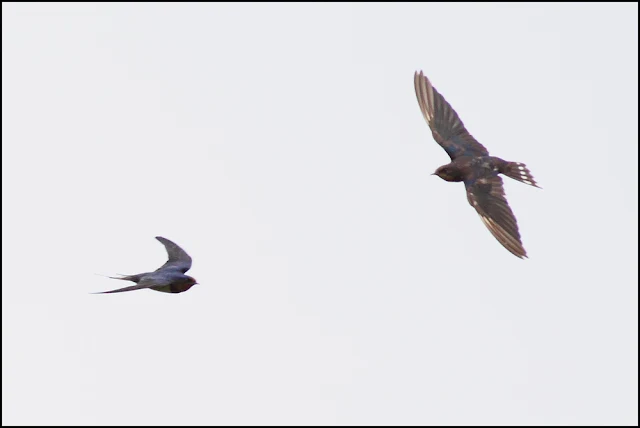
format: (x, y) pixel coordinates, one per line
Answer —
(486, 195)
(446, 127)
(178, 258)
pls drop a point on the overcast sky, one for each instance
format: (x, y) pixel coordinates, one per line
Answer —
(282, 146)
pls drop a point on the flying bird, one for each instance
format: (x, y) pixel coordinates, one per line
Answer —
(168, 278)
(471, 164)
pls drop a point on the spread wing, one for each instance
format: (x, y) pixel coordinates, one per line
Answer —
(446, 127)
(178, 258)
(487, 196)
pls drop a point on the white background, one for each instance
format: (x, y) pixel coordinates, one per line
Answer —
(283, 148)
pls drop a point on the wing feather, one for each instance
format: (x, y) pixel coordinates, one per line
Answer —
(487, 196)
(178, 258)
(446, 126)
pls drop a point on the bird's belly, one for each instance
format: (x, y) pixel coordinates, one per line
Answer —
(163, 289)
(173, 288)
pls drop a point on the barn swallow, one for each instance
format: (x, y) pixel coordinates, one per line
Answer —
(168, 278)
(471, 164)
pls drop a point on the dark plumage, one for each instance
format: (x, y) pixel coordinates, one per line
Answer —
(471, 164)
(168, 278)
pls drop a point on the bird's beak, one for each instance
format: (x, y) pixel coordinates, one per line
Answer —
(433, 173)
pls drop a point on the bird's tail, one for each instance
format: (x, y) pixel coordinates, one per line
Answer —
(519, 171)
(134, 278)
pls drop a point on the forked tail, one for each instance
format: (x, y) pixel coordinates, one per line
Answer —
(134, 278)
(519, 171)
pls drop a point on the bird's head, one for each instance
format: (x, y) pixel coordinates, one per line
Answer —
(448, 173)
(192, 280)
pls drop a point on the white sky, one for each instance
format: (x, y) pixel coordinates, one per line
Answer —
(282, 146)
